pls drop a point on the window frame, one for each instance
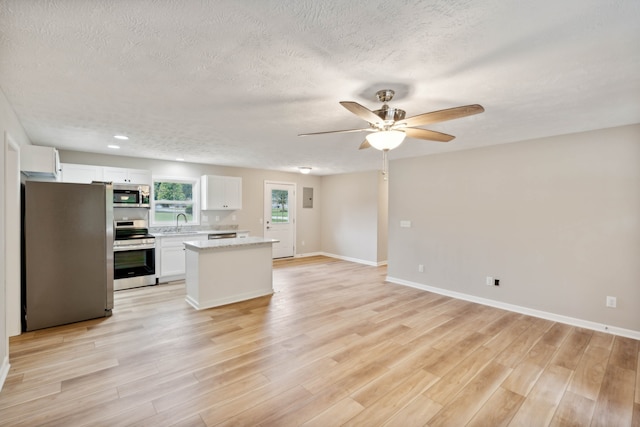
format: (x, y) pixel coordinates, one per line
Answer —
(195, 196)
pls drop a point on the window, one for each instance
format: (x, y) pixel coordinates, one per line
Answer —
(174, 196)
(280, 206)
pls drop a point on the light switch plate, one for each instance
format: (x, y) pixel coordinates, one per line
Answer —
(405, 224)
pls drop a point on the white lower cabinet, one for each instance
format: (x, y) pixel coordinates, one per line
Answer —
(171, 256)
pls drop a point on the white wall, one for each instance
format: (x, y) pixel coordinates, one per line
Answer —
(10, 127)
(557, 220)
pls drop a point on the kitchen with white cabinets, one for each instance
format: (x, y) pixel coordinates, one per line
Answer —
(239, 206)
(219, 195)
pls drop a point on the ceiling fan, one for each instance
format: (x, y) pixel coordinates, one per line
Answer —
(388, 126)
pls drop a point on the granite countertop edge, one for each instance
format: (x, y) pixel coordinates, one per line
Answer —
(192, 233)
(228, 243)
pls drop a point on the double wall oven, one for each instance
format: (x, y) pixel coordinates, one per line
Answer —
(133, 255)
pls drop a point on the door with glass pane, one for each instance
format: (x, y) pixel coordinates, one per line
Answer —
(279, 217)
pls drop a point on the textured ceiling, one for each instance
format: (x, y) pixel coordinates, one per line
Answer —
(233, 82)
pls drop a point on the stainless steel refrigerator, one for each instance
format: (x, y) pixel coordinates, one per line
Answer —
(67, 253)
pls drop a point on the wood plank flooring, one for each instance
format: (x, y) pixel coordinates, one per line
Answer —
(334, 345)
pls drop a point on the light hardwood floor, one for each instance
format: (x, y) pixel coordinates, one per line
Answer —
(335, 345)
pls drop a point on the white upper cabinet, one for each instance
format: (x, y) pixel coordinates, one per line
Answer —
(127, 176)
(221, 193)
(38, 161)
(72, 172)
(82, 174)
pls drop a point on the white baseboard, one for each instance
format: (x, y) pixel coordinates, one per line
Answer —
(308, 254)
(226, 300)
(4, 370)
(359, 261)
(581, 323)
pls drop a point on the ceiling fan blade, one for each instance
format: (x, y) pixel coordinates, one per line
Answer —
(429, 135)
(442, 115)
(360, 111)
(365, 144)
(335, 131)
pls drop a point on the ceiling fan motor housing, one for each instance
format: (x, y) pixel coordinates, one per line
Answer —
(390, 115)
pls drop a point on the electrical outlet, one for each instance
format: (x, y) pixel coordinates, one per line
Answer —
(217, 218)
(302, 243)
(421, 268)
(489, 281)
(233, 217)
(612, 302)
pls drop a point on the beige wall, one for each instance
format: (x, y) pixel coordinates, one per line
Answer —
(350, 216)
(557, 220)
(308, 220)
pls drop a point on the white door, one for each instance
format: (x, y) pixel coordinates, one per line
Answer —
(279, 217)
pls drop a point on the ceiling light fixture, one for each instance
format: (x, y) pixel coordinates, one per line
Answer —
(115, 147)
(386, 139)
(123, 137)
(305, 170)
(180, 159)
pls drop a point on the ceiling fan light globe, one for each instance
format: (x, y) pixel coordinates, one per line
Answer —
(386, 140)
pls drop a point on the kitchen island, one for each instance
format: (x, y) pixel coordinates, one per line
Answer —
(220, 272)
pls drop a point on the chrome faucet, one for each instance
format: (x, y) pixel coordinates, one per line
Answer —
(178, 217)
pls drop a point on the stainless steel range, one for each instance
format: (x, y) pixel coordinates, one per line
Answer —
(133, 255)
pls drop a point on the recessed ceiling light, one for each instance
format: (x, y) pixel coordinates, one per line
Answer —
(180, 159)
(124, 137)
(115, 147)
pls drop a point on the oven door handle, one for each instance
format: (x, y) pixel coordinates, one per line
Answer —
(132, 248)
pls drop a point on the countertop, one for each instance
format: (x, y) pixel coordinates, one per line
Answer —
(228, 243)
(192, 233)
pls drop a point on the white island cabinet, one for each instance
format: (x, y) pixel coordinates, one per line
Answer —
(225, 271)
